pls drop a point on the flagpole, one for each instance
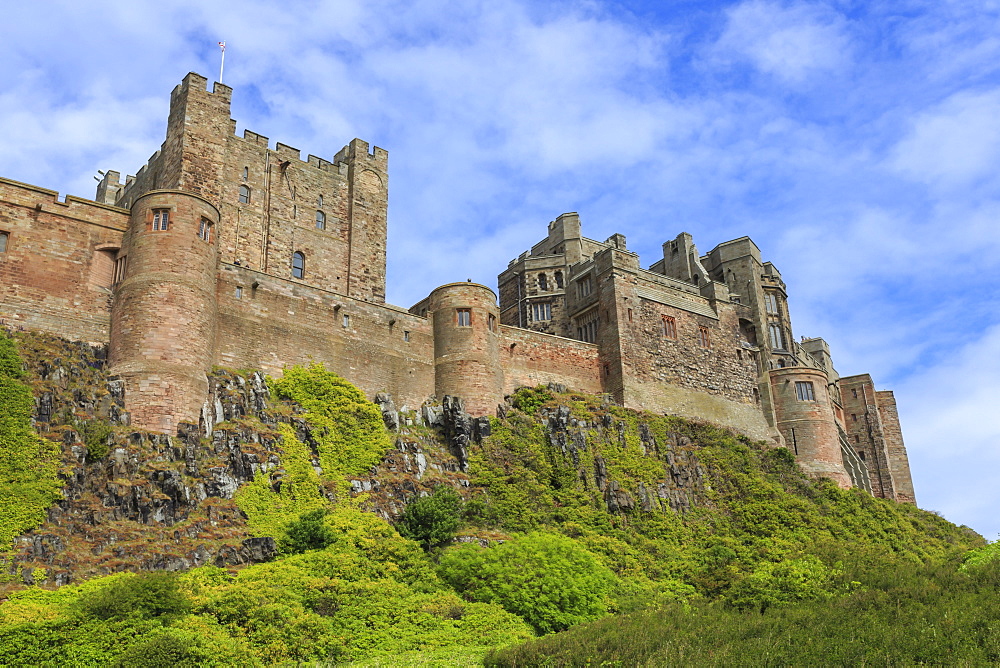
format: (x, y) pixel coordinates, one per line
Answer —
(222, 45)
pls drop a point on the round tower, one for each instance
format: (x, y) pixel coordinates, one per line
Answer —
(163, 314)
(466, 345)
(805, 418)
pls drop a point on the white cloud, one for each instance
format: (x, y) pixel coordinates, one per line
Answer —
(790, 41)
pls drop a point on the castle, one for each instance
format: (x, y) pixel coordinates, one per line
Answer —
(224, 251)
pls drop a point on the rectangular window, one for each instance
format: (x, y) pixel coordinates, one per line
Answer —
(804, 391)
(492, 320)
(704, 338)
(161, 219)
(3, 241)
(120, 265)
(347, 320)
(854, 418)
(205, 230)
(463, 317)
(584, 287)
(406, 335)
(630, 315)
(771, 303)
(587, 329)
(239, 292)
(777, 337)
(669, 327)
(854, 393)
(541, 311)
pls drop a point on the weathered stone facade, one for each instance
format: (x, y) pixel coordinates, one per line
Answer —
(224, 251)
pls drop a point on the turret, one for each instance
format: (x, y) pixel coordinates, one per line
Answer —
(804, 415)
(163, 314)
(466, 346)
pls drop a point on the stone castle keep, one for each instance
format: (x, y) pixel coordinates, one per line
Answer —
(224, 251)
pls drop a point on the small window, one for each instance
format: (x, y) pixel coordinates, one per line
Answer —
(244, 195)
(584, 287)
(246, 173)
(320, 220)
(319, 202)
(298, 265)
(854, 417)
(347, 320)
(239, 292)
(861, 453)
(804, 391)
(120, 264)
(777, 337)
(3, 241)
(771, 303)
(406, 335)
(630, 315)
(587, 329)
(559, 280)
(704, 338)
(669, 327)
(854, 393)
(541, 311)
(161, 219)
(463, 317)
(543, 282)
(205, 230)
(492, 321)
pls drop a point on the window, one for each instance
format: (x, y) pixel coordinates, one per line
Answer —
(587, 329)
(777, 337)
(205, 230)
(630, 315)
(854, 393)
(3, 241)
(854, 417)
(320, 220)
(246, 173)
(161, 219)
(492, 321)
(559, 280)
(543, 282)
(119, 275)
(584, 287)
(541, 311)
(771, 303)
(861, 453)
(319, 201)
(406, 335)
(244, 195)
(463, 317)
(704, 339)
(298, 265)
(239, 292)
(804, 391)
(346, 320)
(669, 327)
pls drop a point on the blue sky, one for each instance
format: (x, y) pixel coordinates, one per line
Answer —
(857, 143)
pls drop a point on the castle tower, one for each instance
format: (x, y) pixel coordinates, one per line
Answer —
(163, 315)
(368, 193)
(805, 418)
(466, 345)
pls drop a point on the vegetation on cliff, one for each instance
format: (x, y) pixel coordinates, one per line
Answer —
(29, 483)
(618, 534)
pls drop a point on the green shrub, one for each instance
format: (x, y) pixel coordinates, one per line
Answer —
(529, 399)
(308, 532)
(548, 580)
(432, 520)
(144, 596)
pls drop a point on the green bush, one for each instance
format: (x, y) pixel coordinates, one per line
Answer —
(144, 596)
(432, 520)
(529, 399)
(308, 532)
(548, 580)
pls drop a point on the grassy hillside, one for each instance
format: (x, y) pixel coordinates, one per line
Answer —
(649, 538)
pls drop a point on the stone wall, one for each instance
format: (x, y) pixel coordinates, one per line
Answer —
(56, 271)
(899, 463)
(531, 358)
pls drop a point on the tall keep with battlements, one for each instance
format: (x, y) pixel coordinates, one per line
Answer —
(225, 251)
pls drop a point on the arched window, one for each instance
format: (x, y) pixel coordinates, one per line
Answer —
(319, 201)
(3, 241)
(543, 282)
(298, 265)
(559, 280)
(246, 173)
(320, 220)
(244, 195)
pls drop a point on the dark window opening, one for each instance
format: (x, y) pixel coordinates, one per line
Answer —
(559, 279)
(704, 338)
(298, 265)
(320, 220)
(543, 282)
(669, 327)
